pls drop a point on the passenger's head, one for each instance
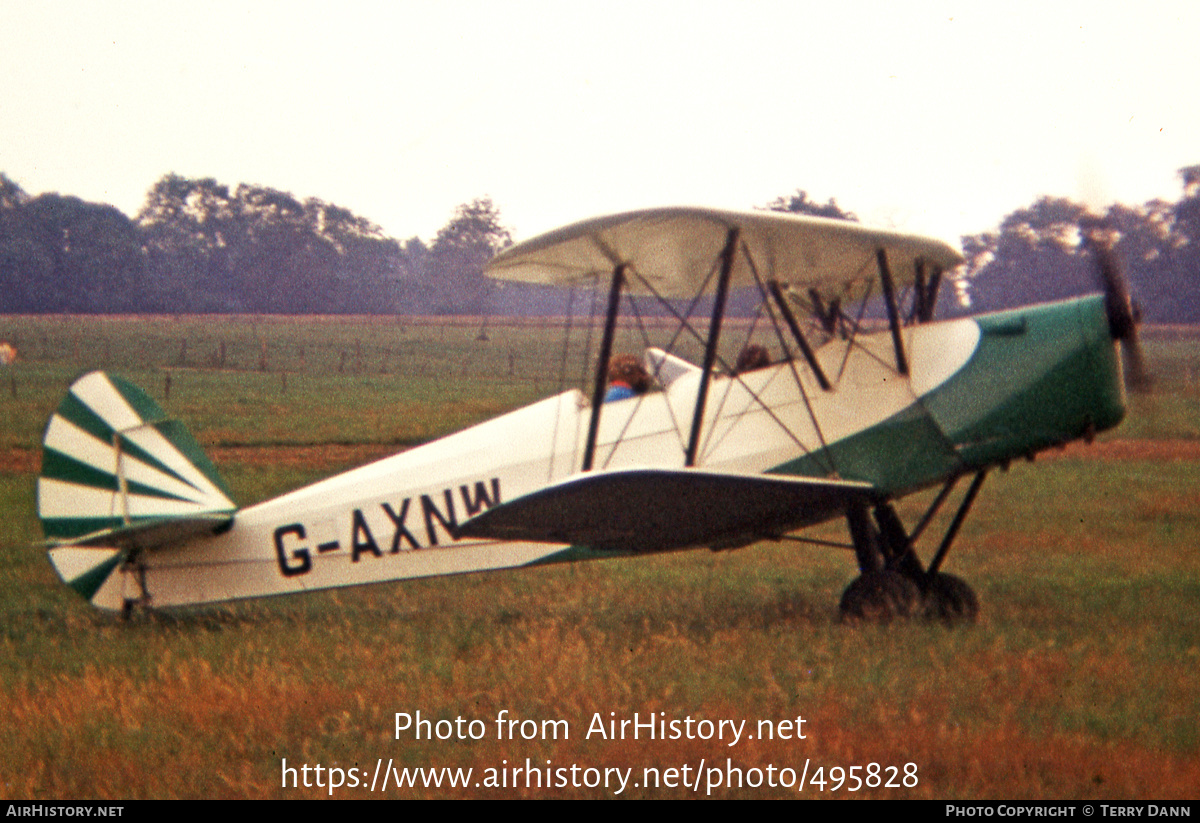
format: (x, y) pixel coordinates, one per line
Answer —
(752, 357)
(627, 369)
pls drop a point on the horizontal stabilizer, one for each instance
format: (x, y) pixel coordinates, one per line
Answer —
(152, 534)
(85, 563)
(647, 510)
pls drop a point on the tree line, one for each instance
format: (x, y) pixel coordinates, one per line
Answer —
(1038, 253)
(200, 246)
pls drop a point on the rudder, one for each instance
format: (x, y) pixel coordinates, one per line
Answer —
(118, 474)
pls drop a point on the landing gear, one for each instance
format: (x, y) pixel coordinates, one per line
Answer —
(135, 572)
(892, 583)
(881, 597)
(950, 600)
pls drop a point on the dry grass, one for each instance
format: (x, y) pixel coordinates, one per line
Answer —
(211, 705)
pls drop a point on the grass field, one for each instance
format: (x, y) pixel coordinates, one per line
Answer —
(1081, 679)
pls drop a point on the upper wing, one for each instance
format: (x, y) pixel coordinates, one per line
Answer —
(672, 250)
(643, 510)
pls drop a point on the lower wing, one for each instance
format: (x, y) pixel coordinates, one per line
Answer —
(647, 510)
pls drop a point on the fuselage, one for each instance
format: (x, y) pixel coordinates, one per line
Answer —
(979, 391)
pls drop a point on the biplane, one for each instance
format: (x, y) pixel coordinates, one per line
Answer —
(854, 410)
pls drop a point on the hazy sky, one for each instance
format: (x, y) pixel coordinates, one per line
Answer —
(938, 117)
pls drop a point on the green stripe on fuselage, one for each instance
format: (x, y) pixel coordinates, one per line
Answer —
(1040, 376)
(904, 452)
(576, 554)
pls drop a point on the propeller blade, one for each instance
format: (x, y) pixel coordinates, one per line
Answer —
(1124, 317)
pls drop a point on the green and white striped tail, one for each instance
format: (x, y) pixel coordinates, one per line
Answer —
(117, 474)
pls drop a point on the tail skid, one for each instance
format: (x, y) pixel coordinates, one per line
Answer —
(118, 478)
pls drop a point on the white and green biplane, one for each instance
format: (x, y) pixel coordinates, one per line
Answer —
(853, 414)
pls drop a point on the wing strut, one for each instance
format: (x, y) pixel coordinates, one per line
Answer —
(828, 315)
(925, 293)
(710, 349)
(889, 296)
(610, 324)
(805, 349)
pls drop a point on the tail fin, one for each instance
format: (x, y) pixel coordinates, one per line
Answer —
(117, 473)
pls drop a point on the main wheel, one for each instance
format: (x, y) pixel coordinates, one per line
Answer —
(880, 597)
(950, 600)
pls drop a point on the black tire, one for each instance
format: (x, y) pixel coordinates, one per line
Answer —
(950, 600)
(880, 597)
